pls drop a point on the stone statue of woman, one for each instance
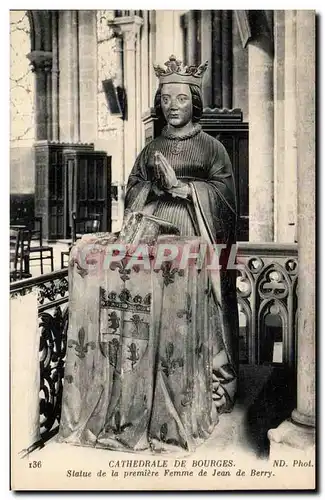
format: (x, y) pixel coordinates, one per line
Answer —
(163, 365)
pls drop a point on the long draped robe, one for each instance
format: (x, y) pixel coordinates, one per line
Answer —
(201, 162)
(152, 354)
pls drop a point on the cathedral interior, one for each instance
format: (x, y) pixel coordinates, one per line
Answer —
(81, 97)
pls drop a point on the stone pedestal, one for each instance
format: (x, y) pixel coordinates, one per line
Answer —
(261, 150)
(291, 441)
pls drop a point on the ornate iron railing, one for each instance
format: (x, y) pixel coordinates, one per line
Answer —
(267, 303)
(53, 295)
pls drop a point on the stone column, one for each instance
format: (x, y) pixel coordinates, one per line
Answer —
(73, 99)
(306, 77)
(279, 125)
(41, 63)
(70, 77)
(152, 55)
(178, 34)
(164, 35)
(88, 76)
(74, 68)
(217, 58)
(290, 132)
(48, 73)
(146, 65)
(191, 38)
(138, 84)
(300, 431)
(239, 70)
(226, 66)
(119, 80)
(261, 144)
(206, 55)
(130, 29)
(55, 78)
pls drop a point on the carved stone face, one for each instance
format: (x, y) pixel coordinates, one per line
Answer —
(176, 104)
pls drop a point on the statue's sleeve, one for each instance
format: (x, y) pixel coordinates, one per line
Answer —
(217, 197)
(138, 186)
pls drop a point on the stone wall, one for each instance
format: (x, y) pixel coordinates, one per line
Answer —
(22, 171)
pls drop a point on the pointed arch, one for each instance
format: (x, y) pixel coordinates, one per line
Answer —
(41, 29)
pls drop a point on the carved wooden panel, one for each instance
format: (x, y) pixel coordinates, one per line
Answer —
(88, 187)
(50, 185)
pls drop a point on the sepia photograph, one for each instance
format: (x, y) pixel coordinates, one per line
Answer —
(162, 250)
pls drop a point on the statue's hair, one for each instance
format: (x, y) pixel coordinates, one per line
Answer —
(197, 104)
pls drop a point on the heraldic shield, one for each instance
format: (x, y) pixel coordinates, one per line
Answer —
(124, 329)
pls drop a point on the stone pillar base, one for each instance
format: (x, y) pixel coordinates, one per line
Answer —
(293, 442)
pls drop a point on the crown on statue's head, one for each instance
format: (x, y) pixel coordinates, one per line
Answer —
(176, 72)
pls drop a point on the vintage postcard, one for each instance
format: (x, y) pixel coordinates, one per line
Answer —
(162, 250)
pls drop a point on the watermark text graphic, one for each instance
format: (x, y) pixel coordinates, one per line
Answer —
(183, 256)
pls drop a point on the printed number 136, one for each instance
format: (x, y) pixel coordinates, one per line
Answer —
(35, 465)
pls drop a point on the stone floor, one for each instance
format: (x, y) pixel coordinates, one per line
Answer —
(265, 399)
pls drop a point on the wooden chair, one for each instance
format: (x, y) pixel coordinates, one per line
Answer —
(86, 225)
(80, 226)
(44, 252)
(20, 239)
